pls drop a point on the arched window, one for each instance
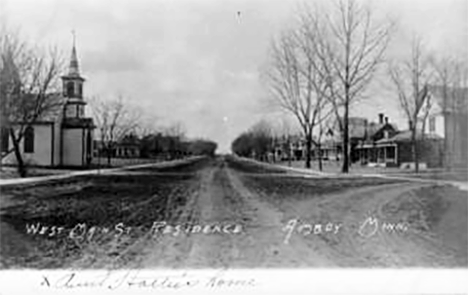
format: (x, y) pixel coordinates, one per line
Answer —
(70, 89)
(29, 140)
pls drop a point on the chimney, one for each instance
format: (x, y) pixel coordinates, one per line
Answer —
(386, 120)
(381, 116)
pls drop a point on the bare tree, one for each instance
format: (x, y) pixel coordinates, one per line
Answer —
(176, 129)
(294, 84)
(331, 58)
(29, 79)
(262, 132)
(147, 126)
(257, 142)
(411, 79)
(324, 127)
(114, 120)
(177, 144)
(349, 45)
(286, 139)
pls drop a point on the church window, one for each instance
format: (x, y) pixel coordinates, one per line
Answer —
(71, 111)
(80, 111)
(5, 138)
(80, 90)
(70, 89)
(29, 140)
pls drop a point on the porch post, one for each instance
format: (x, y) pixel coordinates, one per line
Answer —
(385, 154)
(396, 153)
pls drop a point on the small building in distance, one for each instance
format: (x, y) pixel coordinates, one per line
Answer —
(128, 147)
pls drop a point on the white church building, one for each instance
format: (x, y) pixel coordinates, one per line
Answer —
(63, 136)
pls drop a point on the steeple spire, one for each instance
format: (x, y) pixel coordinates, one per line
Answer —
(73, 69)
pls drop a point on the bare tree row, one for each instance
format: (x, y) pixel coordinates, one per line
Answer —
(326, 61)
(257, 142)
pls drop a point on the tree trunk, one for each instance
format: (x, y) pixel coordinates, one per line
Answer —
(21, 167)
(319, 147)
(345, 168)
(109, 156)
(308, 158)
(414, 144)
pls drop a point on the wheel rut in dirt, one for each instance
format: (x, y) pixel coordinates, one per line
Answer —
(224, 212)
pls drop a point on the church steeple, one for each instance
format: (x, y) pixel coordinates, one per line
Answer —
(73, 69)
(72, 81)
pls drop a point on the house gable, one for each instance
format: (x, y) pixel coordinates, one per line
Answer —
(385, 131)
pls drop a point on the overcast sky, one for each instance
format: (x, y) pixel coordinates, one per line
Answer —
(198, 61)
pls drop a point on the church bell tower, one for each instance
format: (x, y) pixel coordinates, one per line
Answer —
(76, 139)
(72, 85)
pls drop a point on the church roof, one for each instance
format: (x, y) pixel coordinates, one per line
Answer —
(26, 107)
(52, 107)
(73, 66)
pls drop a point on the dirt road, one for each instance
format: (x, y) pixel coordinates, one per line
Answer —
(227, 212)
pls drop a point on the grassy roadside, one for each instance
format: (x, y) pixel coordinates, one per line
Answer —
(432, 173)
(276, 184)
(9, 172)
(438, 213)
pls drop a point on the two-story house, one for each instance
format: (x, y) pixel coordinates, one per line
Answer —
(369, 151)
(448, 119)
(363, 136)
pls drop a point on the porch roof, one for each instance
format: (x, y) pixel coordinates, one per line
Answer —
(376, 145)
(405, 136)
